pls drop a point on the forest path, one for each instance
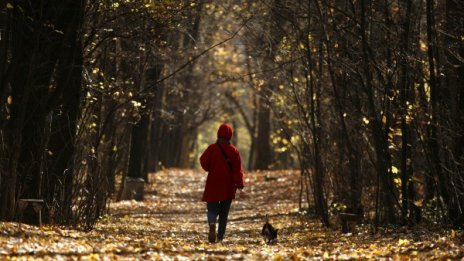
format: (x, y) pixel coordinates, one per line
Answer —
(174, 218)
(170, 224)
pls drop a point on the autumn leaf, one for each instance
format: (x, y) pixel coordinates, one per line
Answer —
(171, 224)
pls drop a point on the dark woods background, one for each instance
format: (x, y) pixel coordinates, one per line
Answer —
(365, 98)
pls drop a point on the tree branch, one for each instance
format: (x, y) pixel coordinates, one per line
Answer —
(196, 57)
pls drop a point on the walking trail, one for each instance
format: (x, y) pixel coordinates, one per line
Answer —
(170, 224)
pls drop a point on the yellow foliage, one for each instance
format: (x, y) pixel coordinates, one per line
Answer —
(365, 120)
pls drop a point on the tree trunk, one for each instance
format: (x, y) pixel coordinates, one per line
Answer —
(137, 148)
(354, 157)
(380, 141)
(263, 146)
(158, 105)
(5, 24)
(38, 52)
(405, 99)
(31, 69)
(435, 98)
(454, 102)
(263, 128)
(58, 191)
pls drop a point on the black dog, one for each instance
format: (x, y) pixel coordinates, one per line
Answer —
(269, 233)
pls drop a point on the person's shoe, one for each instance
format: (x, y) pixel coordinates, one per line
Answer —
(212, 233)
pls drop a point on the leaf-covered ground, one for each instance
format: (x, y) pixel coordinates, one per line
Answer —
(171, 225)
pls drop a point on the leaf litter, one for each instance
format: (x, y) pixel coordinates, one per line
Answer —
(170, 224)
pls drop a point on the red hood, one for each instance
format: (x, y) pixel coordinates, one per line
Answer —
(225, 131)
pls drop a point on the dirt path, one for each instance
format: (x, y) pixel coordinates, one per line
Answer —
(174, 220)
(171, 225)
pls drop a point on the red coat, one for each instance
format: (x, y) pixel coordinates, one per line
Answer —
(221, 182)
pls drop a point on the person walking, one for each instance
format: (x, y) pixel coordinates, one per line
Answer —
(225, 175)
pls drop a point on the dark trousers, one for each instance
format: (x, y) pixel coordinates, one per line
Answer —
(221, 209)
